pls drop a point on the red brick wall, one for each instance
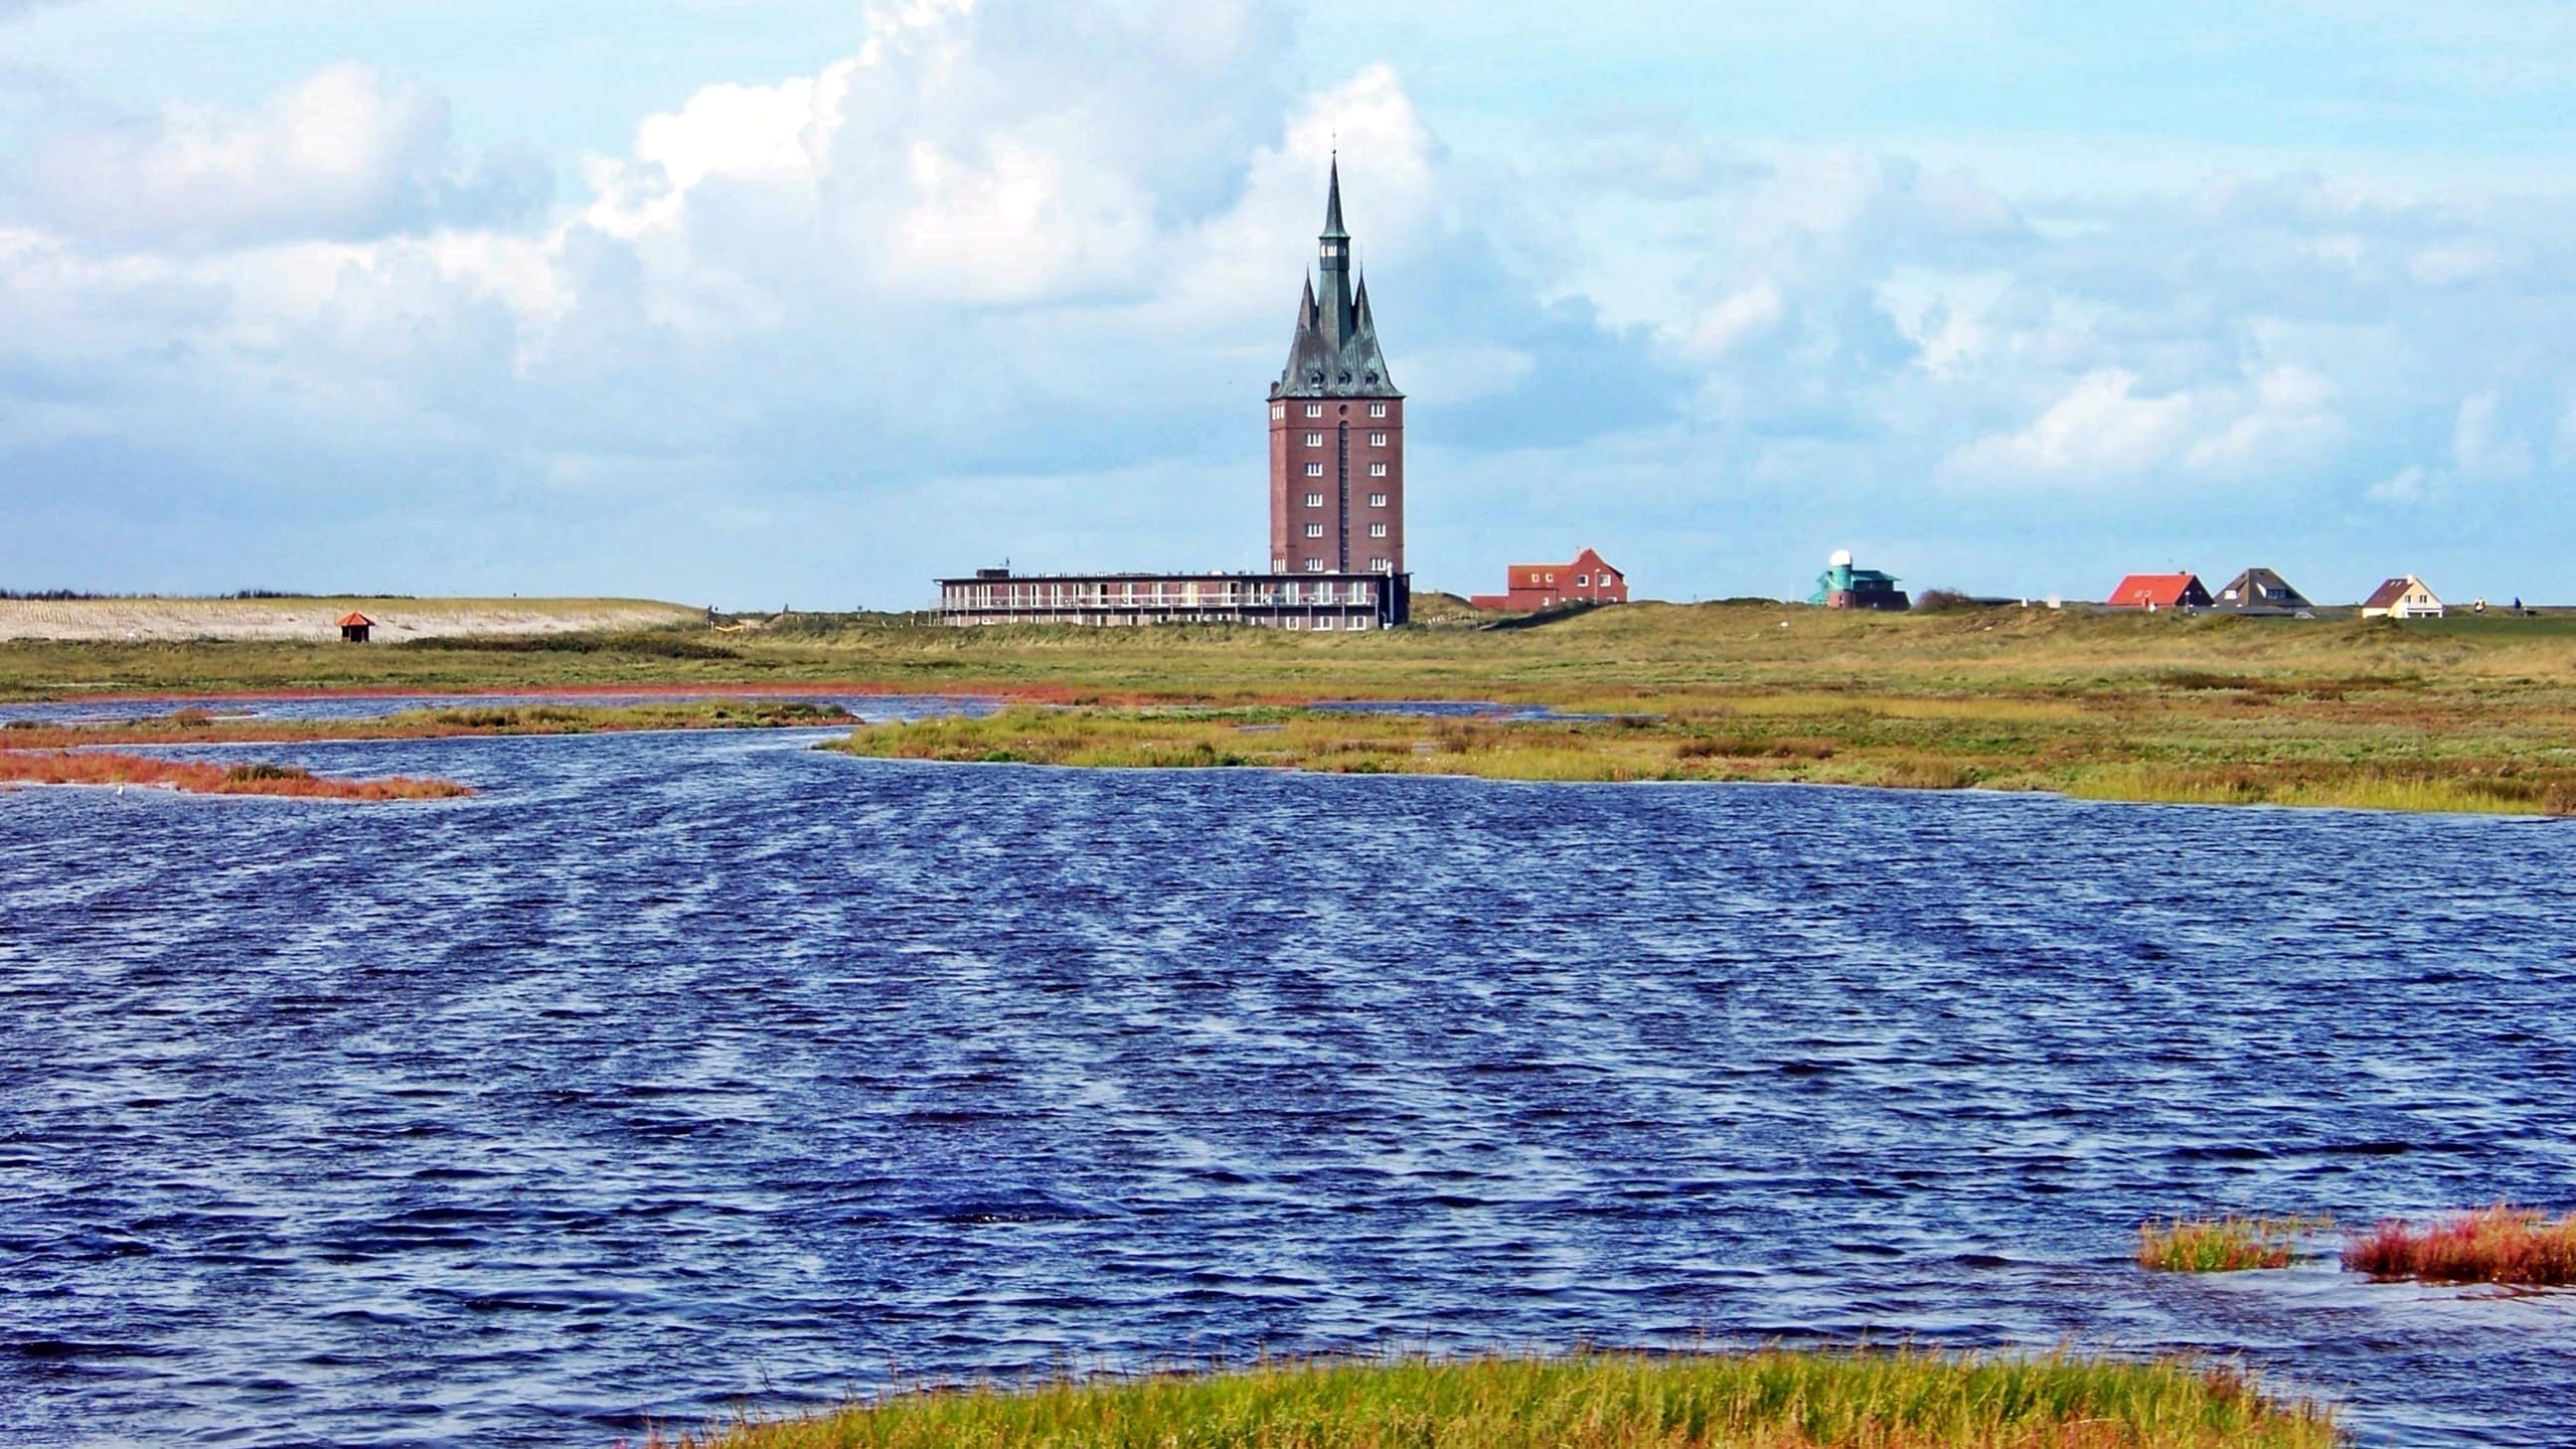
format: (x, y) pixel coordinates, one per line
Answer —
(1289, 485)
(1541, 586)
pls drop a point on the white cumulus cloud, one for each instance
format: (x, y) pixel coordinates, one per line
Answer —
(348, 152)
(2103, 432)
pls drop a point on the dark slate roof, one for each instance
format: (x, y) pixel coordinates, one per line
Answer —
(1335, 351)
(2260, 589)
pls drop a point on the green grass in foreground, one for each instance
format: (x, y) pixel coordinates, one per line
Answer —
(2229, 1244)
(1773, 1400)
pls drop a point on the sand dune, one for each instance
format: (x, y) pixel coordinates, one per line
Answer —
(308, 619)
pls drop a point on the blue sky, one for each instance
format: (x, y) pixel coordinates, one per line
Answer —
(802, 302)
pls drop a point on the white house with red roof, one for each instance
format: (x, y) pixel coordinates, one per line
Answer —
(2406, 598)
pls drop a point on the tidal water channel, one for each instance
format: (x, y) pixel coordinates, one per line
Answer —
(681, 1071)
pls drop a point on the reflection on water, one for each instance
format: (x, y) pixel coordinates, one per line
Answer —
(680, 1069)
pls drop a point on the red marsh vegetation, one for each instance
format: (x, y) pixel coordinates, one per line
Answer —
(2500, 1244)
(95, 767)
(199, 726)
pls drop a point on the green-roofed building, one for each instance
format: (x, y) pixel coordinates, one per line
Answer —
(1841, 586)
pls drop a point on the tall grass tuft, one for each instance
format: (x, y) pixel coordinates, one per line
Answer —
(1773, 1400)
(2500, 1244)
(2229, 1244)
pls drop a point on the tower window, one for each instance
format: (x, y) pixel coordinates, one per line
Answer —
(1278, 411)
(1314, 440)
(1314, 410)
(1314, 500)
(1377, 410)
(1314, 470)
(1314, 530)
(1377, 500)
(1377, 530)
(1314, 566)
(1377, 440)
(1377, 470)
(1379, 565)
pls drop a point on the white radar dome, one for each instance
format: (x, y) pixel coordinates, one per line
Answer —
(1840, 560)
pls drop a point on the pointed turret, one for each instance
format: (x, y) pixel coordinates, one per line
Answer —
(1335, 352)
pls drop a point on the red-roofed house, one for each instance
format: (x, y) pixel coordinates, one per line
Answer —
(354, 627)
(1587, 580)
(2160, 591)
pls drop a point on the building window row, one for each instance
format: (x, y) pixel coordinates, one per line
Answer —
(1160, 592)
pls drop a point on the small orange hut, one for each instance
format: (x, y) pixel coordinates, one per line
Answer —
(354, 627)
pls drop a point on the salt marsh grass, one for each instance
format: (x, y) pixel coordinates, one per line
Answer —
(2500, 1244)
(101, 767)
(2230, 1244)
(2466, 715)
(1771, 1400)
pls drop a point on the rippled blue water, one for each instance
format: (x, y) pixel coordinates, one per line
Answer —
(681, 1069)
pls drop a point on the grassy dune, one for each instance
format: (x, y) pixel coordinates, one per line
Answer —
(1775, 1400)
(2474, 714)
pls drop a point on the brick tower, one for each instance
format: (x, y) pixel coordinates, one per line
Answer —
(1336, 427)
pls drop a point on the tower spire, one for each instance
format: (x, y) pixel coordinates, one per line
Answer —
(1335, 352)
(1333, 264)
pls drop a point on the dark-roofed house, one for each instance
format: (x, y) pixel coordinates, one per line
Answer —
(2160, 591)
(2261, 591)
(2406, 598)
